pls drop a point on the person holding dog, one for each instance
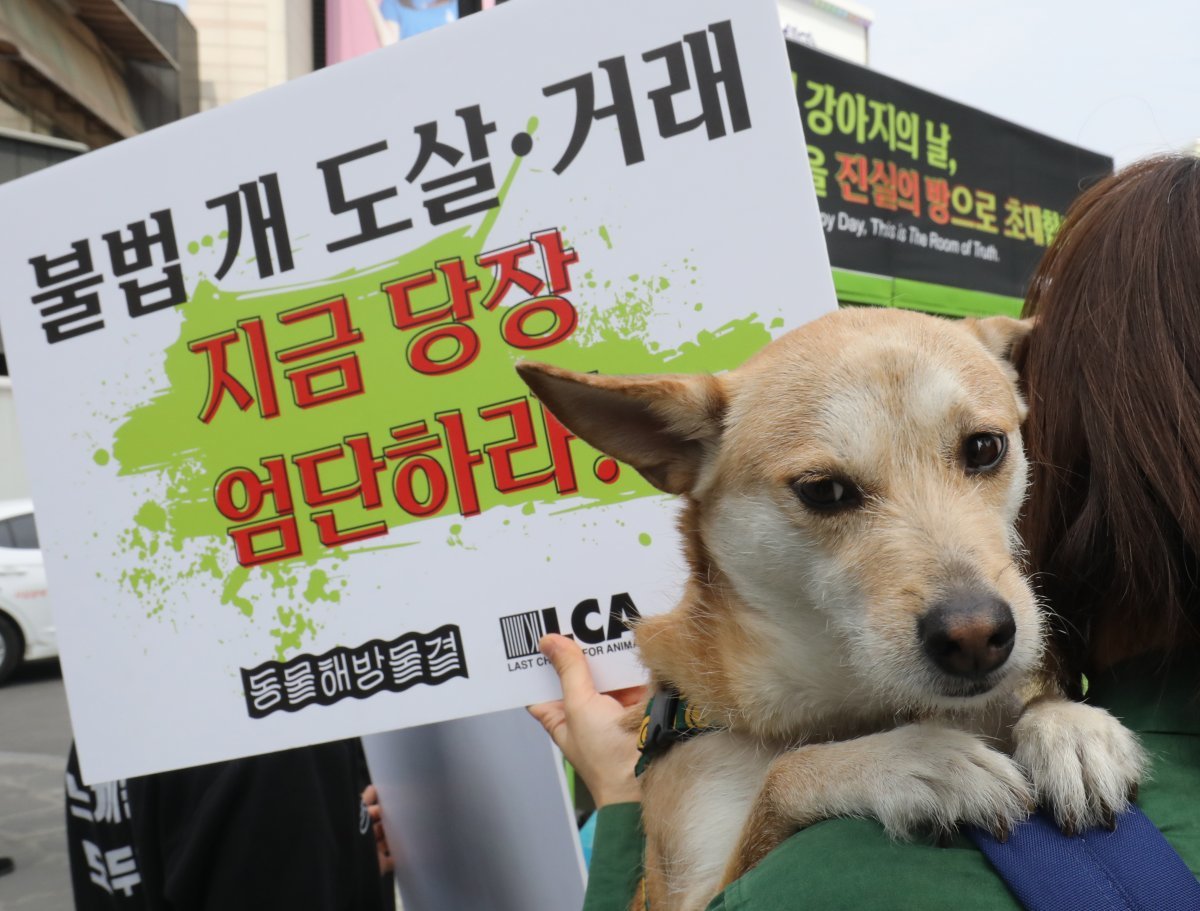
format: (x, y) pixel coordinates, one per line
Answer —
(1112, 529)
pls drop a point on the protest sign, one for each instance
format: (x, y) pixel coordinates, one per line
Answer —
(289, 486)
(482, 810)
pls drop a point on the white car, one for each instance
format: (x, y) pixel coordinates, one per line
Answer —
(26, 627)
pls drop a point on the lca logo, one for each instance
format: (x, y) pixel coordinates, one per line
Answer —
(596, 629)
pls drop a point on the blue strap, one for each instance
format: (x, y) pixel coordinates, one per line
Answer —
(1130, 869)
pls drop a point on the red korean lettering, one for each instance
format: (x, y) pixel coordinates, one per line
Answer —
(908, 190)
(505, 264)
(524, 438)
(364, 487)
(240, 494)
(444, 347)
(311, 383)
(419, 482)
(458, 348)
(883, 185)
(937, 198)
(222, 382)
(463, 460)
(556, 259)
(460, 290)
(555, 315)
(852, 176)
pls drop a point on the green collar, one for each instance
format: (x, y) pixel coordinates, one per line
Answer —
(1150, 696)
(668, 720)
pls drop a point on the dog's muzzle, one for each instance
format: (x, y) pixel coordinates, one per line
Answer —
(968, 635)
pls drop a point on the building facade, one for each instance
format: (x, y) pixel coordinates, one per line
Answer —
(250, 45)
(81, 74)
(77, 75)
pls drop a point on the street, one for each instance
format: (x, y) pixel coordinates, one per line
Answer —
(35, 735)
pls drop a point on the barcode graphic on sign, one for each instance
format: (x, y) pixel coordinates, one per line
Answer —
(521, 634)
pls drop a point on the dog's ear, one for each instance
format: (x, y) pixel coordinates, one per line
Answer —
(659, 424)
(1003, 336)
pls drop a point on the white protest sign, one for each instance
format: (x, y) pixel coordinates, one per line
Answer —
(479, 816)
(290, 488)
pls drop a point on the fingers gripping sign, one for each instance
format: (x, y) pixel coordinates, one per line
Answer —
(591, 727)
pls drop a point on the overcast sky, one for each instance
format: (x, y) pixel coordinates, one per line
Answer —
(1122, 78)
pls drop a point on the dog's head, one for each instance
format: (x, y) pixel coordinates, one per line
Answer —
(853, 491)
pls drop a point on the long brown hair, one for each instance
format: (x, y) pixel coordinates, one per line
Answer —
(1112, 373)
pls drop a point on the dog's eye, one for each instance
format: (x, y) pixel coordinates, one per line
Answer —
(983, 451)
(827, 494)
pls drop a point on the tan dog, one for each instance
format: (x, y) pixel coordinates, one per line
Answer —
(856, 623)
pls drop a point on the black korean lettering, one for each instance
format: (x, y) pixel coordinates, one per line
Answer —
(362, 206)
(146, 297)
(708, 80)
(586, 111)
(68, 308)
(49, 271)
(474, 184)
(135, 253)
(475, 181)
(266, 225)
(477, 133)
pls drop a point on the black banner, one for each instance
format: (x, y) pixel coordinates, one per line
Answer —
(915, 186)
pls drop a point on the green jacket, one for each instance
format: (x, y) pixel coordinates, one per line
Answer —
(851, 864)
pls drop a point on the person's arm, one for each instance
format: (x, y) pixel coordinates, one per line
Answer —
(591, 730)
(616, 868)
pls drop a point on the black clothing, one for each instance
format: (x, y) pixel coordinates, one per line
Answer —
(283, 830)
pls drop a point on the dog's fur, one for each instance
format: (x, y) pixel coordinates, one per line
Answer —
(797, 633)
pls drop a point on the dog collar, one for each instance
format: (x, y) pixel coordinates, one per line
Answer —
(669, 719)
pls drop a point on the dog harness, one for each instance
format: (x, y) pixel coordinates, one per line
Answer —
(669, 719)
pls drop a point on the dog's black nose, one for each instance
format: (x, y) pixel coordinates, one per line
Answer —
(968, 634)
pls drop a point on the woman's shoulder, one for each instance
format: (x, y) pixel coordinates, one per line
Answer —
(852, 863)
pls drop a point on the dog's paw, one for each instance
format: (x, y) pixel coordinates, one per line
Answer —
(943, 777)
(1084, 764)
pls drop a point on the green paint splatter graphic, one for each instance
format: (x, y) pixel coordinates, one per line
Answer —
(181, 537)
(318, 588)
(290, 632)
(152, 516)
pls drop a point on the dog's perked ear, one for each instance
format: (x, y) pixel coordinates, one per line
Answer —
(659, 424)
(1001, 335)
